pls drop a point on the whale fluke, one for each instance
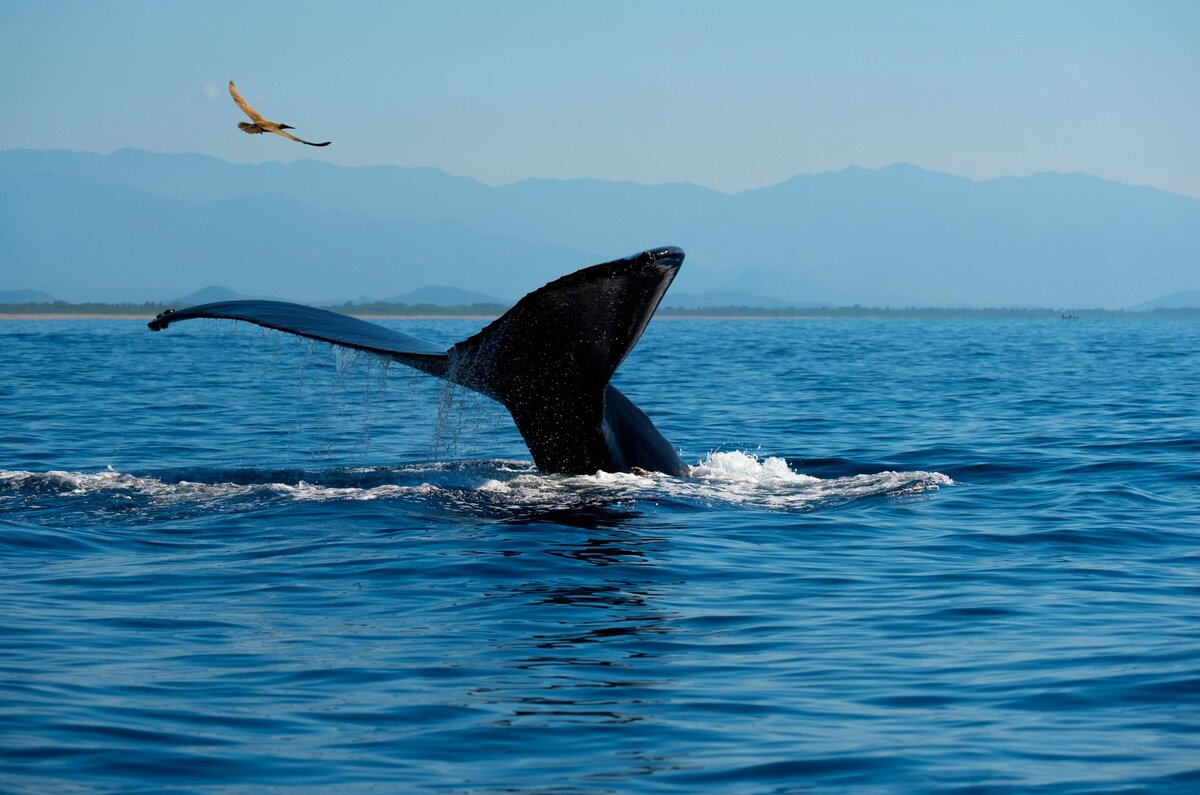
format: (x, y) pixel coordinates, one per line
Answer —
(548, 360)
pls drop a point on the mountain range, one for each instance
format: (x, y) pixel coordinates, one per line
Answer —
(1184, 299)
(25, 297)
(137, 226)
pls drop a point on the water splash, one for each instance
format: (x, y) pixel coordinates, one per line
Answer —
(732, 478)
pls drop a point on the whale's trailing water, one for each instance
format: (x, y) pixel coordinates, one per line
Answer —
(548, 360)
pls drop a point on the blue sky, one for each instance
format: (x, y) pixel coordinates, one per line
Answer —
(728, 95)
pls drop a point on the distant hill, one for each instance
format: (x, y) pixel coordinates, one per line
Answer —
(444, 296)
(25, 297)
(674, 300)
(1184, 299)
(207, 295)
(135, 226)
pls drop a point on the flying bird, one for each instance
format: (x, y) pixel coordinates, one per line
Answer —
(261, 125)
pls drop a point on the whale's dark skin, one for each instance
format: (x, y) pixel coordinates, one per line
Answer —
(548, 360)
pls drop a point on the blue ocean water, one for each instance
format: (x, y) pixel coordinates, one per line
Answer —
(955, 555)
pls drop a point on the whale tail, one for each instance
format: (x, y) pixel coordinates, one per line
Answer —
(548, 360)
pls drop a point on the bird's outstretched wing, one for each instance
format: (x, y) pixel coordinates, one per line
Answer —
(241, 103)
(301, 140)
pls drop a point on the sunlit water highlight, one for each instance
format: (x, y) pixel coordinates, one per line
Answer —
(914, 556)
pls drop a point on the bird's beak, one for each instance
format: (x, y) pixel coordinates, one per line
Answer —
(286, 127)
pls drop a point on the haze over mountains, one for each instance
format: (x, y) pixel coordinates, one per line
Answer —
(137, 226)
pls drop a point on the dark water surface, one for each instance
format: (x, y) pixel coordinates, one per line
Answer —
(917, 556)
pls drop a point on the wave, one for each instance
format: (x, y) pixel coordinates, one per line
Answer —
(733, 478)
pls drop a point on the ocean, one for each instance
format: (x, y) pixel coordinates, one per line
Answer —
(953, 555)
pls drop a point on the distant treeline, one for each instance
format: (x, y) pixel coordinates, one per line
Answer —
(66, 308)
(384, 308)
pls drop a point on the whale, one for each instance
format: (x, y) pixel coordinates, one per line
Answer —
(549, 359)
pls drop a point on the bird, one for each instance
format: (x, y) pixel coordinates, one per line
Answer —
(261, 125)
